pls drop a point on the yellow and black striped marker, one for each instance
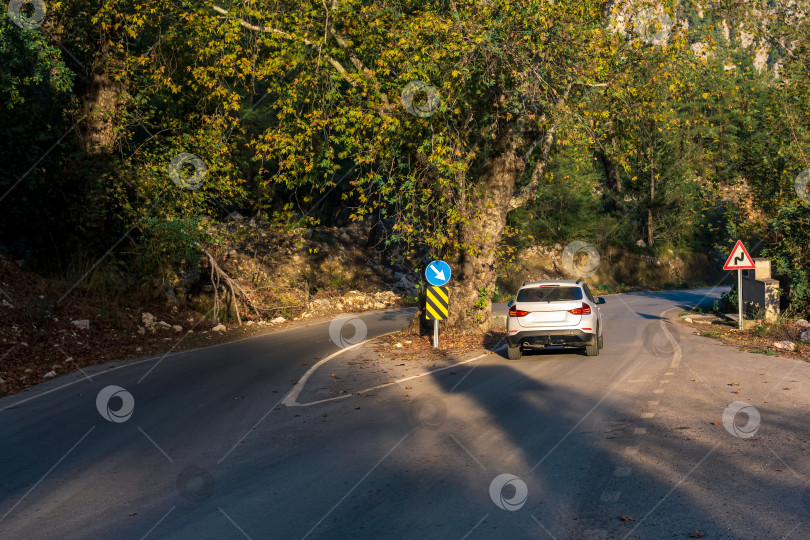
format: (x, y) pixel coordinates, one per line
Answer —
(437, 306)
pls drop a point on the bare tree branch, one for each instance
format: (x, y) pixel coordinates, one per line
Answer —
(268, 29)
(355, 60)
(358, 64)
(529, 191)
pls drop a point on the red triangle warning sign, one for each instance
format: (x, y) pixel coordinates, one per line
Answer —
(739, 258)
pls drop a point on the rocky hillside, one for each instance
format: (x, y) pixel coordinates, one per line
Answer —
(612, 268)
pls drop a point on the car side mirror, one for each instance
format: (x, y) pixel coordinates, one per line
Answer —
(600, 300)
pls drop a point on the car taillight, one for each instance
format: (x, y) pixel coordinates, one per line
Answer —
(584, 310)
(514, 312)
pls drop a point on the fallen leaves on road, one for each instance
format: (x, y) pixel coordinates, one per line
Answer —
(697, 534)
(448, 341)
(734, 384)
(626, 518)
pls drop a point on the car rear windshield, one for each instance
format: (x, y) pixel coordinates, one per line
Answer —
(549, 294)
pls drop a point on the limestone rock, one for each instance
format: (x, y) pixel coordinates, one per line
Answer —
(786, 345)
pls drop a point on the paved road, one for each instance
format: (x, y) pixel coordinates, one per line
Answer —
(210, 452)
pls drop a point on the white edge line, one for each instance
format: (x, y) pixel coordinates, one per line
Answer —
(131, 363)
(294, 403)
(676, 357)
(290, 399)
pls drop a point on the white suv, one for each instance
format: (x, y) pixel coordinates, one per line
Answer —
(546, 313)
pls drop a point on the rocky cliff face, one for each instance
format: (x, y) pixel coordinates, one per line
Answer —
(612, 267)
(300, 273)
(297, 270)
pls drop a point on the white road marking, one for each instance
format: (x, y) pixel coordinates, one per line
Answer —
(676, 356)
(291, 399)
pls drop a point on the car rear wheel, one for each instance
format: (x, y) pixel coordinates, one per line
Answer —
(592, 350)
(513, 352)
(600, 341)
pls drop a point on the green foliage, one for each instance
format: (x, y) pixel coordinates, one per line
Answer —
(164, 243)
(501, 295)
(483, 298)
(789, 254)
(295, 108)
(729, 302)
(32, 67)
(568, 204)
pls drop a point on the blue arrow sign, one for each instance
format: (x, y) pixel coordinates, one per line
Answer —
(438, 273)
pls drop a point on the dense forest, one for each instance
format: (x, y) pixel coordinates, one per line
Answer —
(473, 127)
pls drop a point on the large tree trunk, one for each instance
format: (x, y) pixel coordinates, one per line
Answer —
(101, 107)
(650, 229)
(494, 195)
(474, 272)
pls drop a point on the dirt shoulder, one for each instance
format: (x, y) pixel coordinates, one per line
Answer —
(403, 358)
(783, 339)
(45, 333)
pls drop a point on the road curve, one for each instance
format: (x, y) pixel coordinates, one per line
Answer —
(210, 452)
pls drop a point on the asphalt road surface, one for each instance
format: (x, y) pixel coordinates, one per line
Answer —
(643, 441)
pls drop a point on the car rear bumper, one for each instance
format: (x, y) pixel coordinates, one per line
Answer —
(542, 338)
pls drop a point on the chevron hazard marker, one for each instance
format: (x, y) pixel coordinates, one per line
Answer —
(438, 303)
(437, 307)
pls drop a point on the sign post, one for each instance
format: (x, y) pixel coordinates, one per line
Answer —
(437, 307)
(739, 260)
(739, 296)
(437, 303)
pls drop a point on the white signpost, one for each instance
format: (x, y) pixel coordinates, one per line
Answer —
(739, 260)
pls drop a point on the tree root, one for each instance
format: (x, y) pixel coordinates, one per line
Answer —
(233, 286)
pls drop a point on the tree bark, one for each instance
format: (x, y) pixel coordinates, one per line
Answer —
(650, 235)
(476, 269)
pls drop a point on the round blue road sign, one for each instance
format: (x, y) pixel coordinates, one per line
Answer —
(438, 273)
